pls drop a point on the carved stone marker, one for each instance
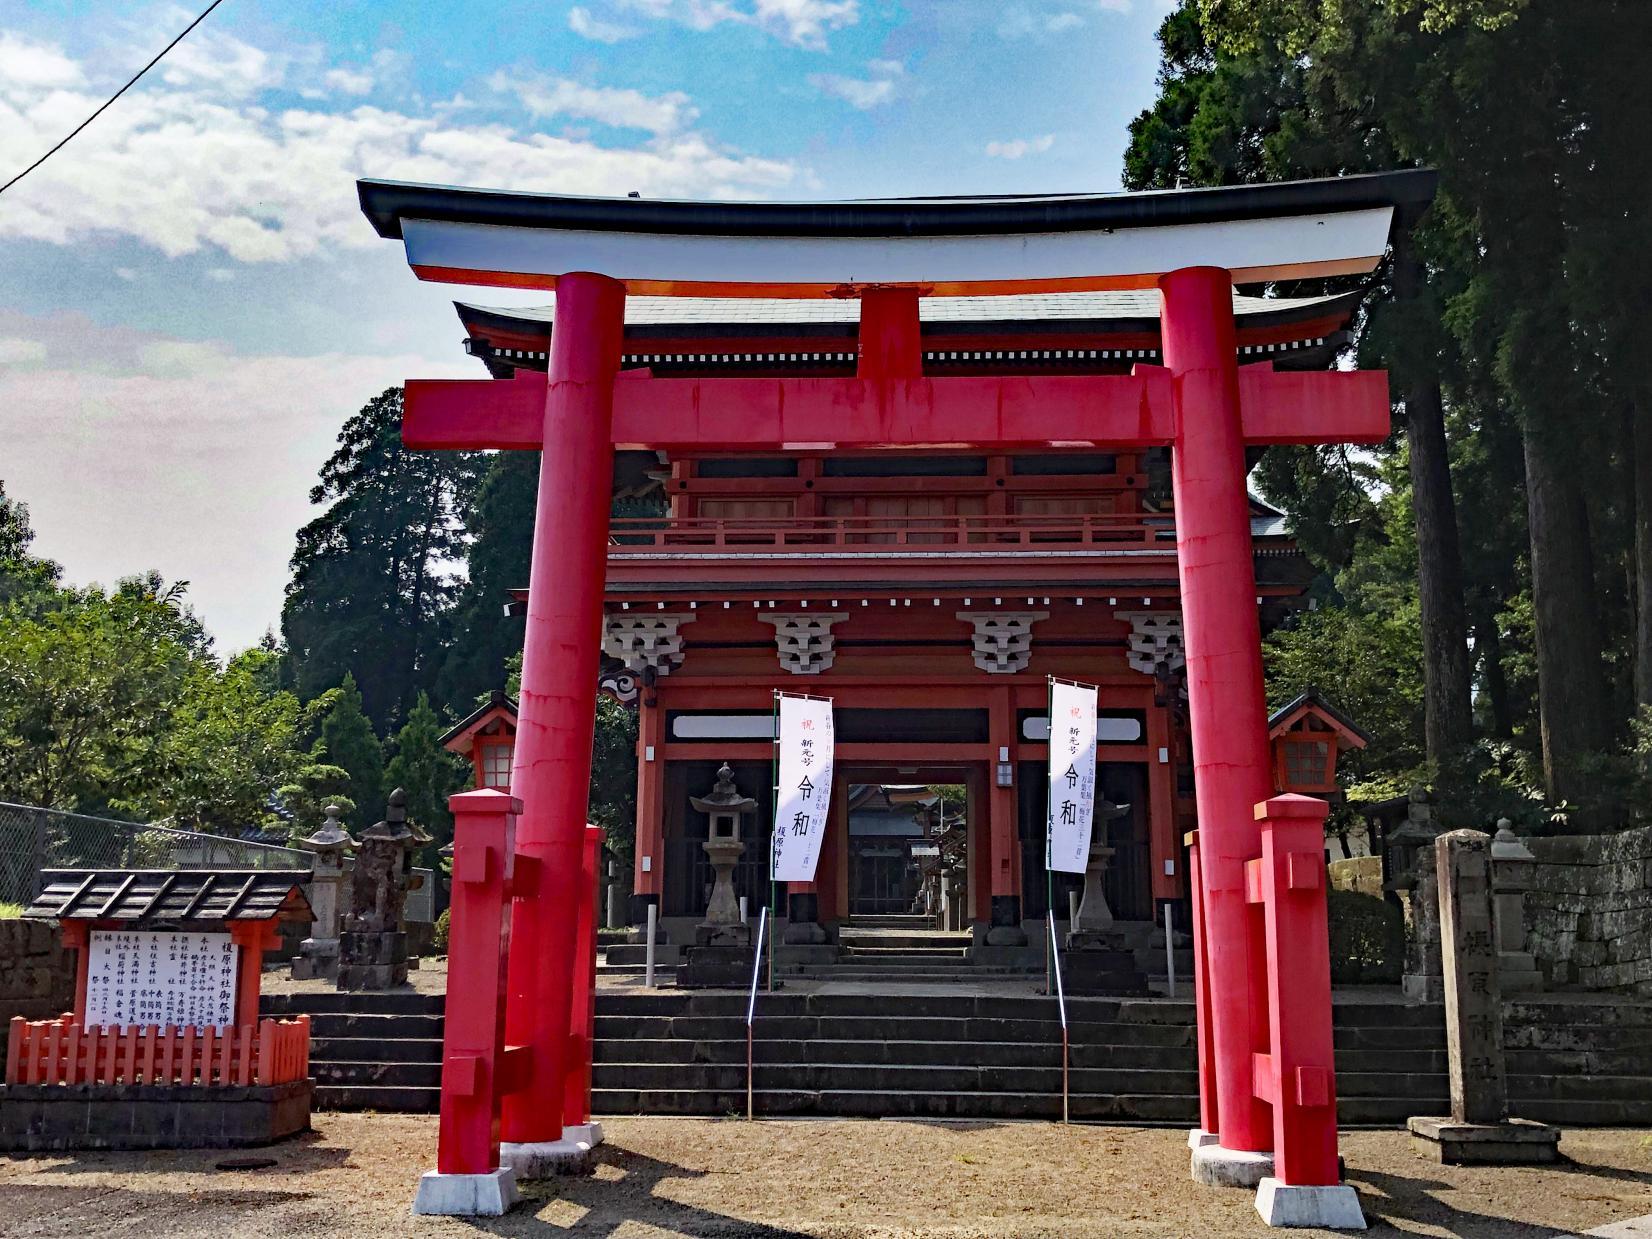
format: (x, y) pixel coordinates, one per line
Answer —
(318, 954)
(1421, 981)
(1511, 878)
(1479, 1129)
(373, 946)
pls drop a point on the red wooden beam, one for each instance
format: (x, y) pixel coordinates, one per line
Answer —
(976, 413)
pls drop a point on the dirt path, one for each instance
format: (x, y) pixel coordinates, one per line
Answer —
(829, 1180)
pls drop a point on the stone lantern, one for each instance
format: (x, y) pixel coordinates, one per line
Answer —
(1098, 960)
(318, 954)
(1094, 916)
(1511, 877)
(725, 807)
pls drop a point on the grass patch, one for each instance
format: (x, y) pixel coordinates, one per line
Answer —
(10, 911)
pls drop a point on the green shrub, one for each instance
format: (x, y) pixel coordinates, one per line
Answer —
(1367, 939)
(439, 942)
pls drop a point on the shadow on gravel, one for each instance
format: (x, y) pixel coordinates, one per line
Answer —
(1396, 1198)
(301, 1154)
(612, 1201)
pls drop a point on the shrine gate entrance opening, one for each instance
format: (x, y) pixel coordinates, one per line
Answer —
(1267, 1074)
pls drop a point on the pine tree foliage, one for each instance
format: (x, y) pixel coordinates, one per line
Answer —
(349, 742)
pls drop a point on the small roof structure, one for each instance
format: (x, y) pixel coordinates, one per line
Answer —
(948, 247)
(1352, 735)
(493, 717)
(143, 897)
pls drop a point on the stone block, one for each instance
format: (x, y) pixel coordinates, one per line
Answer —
(1331, 1206)
(39, 1118)
(716, 967)
(466, 1195)
(1215, 1166)
(1515, 1142)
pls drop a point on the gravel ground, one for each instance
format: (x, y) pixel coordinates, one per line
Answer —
(354, 1176)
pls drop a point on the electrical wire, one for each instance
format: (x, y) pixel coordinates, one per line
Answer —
(130, 83)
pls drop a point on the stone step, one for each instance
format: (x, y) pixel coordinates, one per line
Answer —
(389, 1099)
(366, 1049)
(324, 1024)
(885, 1077)
(383, 1002)
(907, 949)
(395, 1074)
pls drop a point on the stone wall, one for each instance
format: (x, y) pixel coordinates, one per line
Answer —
(1589, 911)
(37, 976)
(1359, 873)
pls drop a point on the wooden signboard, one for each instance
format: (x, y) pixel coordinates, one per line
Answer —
(142, 977)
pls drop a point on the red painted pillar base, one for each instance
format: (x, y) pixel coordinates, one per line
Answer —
(576, 1108)
(559, 683)
(1209, 1113)
(1226, 707)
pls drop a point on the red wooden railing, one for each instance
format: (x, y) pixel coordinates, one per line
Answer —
(644, 535)
(63, 1052)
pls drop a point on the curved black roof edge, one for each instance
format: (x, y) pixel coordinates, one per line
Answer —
(388, 203)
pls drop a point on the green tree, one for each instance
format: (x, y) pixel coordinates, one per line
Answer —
(371, 587)
(428, 774)
(349, 742)
(20, 571)
(316, 783)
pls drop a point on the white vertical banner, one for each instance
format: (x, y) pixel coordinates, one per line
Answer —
(805, 786)
(1072, 776)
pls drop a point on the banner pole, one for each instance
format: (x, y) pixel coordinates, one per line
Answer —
(1049, 826)
(774, 830)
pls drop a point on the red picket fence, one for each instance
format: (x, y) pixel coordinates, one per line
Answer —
(62, 1052)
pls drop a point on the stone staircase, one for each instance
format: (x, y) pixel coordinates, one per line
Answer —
(973, 1055)
(891, 948)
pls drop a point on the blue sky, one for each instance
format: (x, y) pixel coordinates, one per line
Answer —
(190, 302)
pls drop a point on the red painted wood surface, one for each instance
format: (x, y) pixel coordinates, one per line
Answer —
(1227, 710)
(479, 938)
(582, 1014)
(557, 706)
(1209, 1110)
(1297, 1075)
(62, 1051)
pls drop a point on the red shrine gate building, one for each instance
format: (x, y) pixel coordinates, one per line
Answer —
(920, 511)
(929, 593)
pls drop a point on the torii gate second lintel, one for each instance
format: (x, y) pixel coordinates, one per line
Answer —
(1266, 1067)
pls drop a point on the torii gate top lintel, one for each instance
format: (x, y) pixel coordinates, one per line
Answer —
(941, 246)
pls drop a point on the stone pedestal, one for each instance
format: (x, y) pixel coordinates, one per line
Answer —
(803, 927)
(466, 1195)
(372, 959)
(50, 1118)
(716, 966)
(1479, 1128)
(1423, 979)
(1098, 960)
(722, 955)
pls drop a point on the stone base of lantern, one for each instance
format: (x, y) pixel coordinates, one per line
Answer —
(52, 1118)
(372, 959)
(716, 967)
(1517, 1142)
(317, 957)
(1095, 962)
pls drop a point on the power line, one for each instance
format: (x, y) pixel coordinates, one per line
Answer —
(132, 82)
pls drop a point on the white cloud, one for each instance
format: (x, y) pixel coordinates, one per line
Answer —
(203, 456)
(220, 64)
(17, 352)
(625, 109)
(349, 81)
(1015, 148)
(582, 23)
(34, 65)
(862, 93)
(196, 167)
(803, 23)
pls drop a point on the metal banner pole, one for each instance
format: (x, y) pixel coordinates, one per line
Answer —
(653, 915)
(751, 1005)
(1169, 951)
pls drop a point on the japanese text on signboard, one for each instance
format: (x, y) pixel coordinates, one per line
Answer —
(1072, 775)
(805, 795)
(139, 977)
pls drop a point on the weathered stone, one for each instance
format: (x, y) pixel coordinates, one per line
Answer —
(1514, 1142)
(41, 1118)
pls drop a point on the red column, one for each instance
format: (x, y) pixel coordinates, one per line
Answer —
(1005, 889)
(559, 684)
(646, 884)
(1300, 1071)
(1226, 707)
(891, 338)
(473, 1032)
(1209, 1116)
(582, 1015)
(253, 937)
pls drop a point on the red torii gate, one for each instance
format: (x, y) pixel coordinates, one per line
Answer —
(1266, 1067)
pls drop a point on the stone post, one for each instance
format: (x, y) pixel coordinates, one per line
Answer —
(318, 954)
(1511, 877)
(1421, 981)
(1479, 1129)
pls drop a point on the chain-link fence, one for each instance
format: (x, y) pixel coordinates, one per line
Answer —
(32, 839)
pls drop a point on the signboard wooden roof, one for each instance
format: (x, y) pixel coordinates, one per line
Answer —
(143, 897)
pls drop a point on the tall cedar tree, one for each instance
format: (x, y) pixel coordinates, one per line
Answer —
(500, 527)
(349, 742)
(371, 584)
(1229, 118)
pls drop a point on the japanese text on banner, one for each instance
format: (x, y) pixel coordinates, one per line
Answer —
(1072, 776)
(805, 743)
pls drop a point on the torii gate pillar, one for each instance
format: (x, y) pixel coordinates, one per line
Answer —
(560, 657)
(1226, 705)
